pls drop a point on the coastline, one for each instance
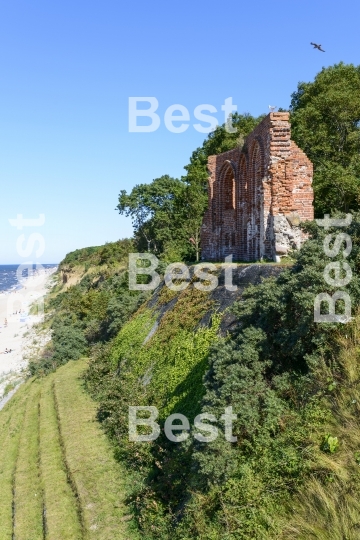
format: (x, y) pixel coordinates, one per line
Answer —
(19, 334)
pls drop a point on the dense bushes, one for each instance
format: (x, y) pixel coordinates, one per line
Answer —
(92, 311)
(277, 371)
(161, 365)
(111, 253)
(284, 376)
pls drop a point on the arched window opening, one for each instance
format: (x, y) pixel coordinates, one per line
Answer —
(229, 189)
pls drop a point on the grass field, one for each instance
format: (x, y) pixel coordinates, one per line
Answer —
(58, 477)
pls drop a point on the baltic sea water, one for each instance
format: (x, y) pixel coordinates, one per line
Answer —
(8, 276)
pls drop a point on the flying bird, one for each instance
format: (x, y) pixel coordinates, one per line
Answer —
(272, 108)
(316, 46)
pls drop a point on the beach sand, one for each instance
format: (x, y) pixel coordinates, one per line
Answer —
(19, 334)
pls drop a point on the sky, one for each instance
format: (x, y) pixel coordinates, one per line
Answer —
(68, 69)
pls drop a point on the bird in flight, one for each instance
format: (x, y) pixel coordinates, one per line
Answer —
(272, 108)
(316, 46)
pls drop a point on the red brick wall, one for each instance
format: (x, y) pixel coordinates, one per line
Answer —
(257, 195)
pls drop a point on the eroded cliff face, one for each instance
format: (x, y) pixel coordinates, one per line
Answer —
(218, 300)
(70, 275)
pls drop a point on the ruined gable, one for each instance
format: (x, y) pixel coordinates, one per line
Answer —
(258, 195)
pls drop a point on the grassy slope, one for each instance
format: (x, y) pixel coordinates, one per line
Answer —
(11, 420)
(57, 470)
(59, 497)
(95, 476)
(28, 501)
(329, 508)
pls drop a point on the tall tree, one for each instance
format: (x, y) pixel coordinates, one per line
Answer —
(152, 210)
(325, 119)
(167, 214)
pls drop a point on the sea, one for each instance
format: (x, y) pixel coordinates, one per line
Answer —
(8, 276)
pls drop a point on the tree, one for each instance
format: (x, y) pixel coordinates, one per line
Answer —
(325, 119)
(152, 209)
(191, 207)
(167, 214)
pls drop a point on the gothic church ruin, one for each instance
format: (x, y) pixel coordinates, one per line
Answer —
(258, 195)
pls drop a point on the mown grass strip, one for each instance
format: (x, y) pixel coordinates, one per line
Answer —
(94, 471)
(62, 520)
(28, 496)
(11, 420)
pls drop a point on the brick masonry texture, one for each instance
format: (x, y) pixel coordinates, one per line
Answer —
(258, 195)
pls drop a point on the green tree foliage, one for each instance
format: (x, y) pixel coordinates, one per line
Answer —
(325, 119)
(111, 253)
(152, 208)
(167, 213)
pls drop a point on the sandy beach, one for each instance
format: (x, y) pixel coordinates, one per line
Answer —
(17, 332)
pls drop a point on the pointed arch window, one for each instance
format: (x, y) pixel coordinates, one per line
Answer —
(229, 189)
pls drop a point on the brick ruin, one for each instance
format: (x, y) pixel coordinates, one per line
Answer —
(258, 195)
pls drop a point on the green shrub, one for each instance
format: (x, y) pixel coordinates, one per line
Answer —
(69, 344)
(330, 444)
(277, 372)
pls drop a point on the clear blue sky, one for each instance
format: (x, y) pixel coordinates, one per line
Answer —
(67, 70)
